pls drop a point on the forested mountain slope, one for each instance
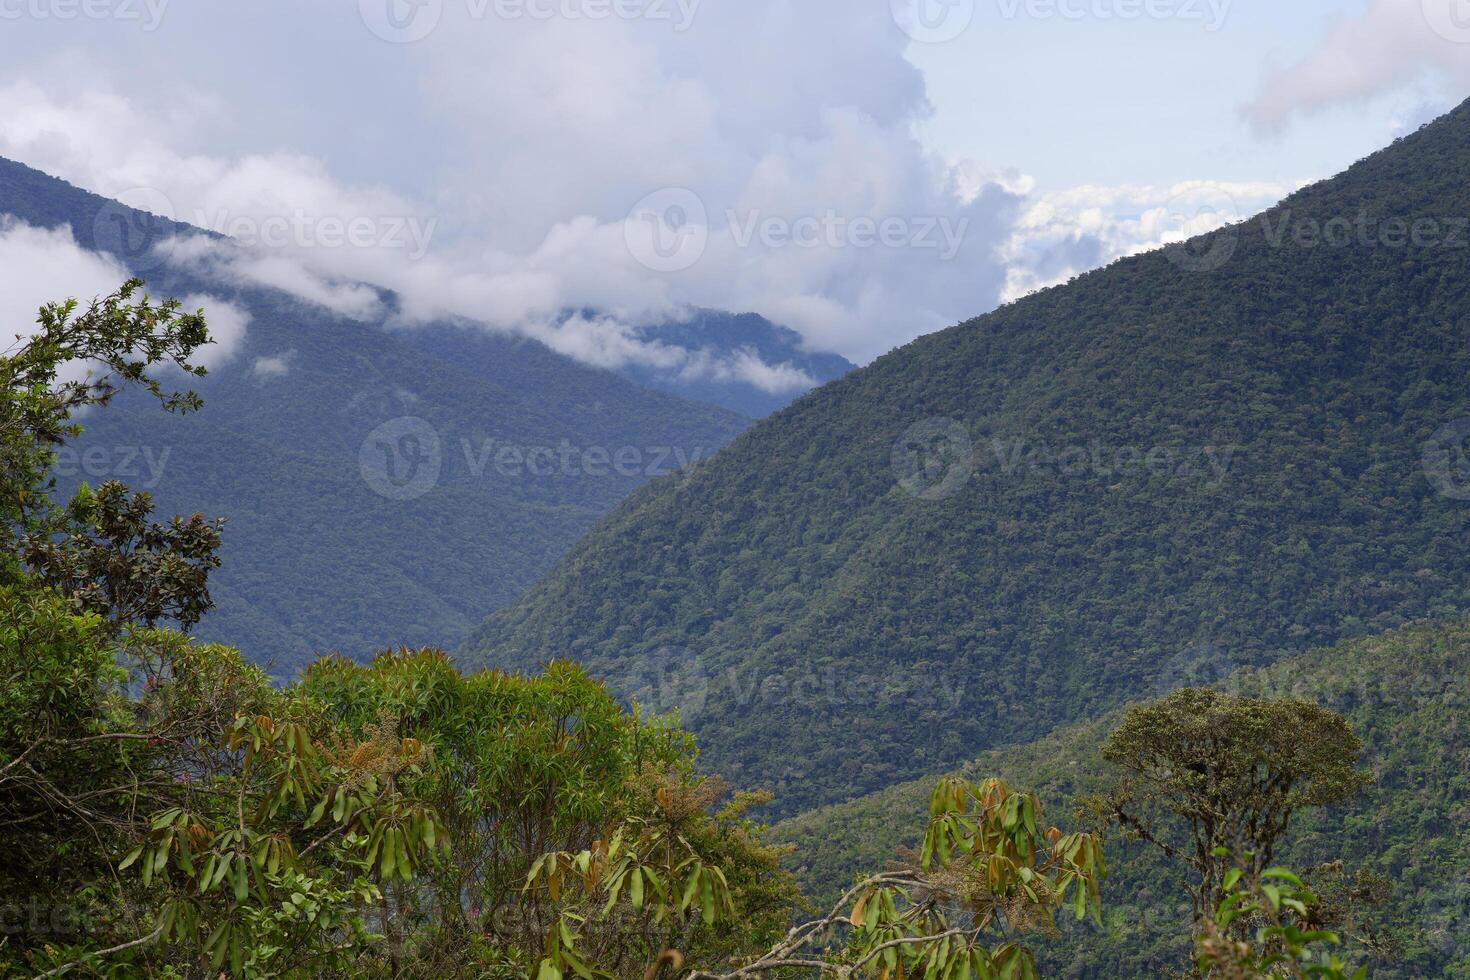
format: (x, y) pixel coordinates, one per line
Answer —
(359, 468)
(1214, 455)
(1406, 694)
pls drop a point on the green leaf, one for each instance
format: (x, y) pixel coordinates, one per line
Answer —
(635, 888)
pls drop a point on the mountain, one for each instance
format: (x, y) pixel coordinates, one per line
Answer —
(755, 366)
(379, 492)
(743, 363)
(1405, 694)
(1195, 459)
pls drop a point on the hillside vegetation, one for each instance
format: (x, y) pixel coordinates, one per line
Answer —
(1405, 694)
(1210, 456)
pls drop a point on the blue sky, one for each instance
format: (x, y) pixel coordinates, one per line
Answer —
(805, 159)
(1078, 101)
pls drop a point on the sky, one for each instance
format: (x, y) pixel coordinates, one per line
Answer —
(863, 171)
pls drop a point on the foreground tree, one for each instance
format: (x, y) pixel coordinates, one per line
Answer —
(73, 361)
(104, 552)
(1283, 940)
(990, 871)
(528, 773)
(1214, 780)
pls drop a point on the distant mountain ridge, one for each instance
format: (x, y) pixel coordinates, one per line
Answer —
(380, 491)
(714, 347)
(726, 339)
(1213, 455)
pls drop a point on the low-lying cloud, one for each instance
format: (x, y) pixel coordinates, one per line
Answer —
(505, 170)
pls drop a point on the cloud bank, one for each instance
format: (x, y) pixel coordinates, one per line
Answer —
(505, 165)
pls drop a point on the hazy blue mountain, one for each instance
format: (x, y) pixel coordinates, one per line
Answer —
(728, 335)
(381, 490)
(743, 362)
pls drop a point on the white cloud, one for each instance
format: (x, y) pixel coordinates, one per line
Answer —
(489, 171)
(41, 266)
(227, 326)
(776, 379)
(230, 263)
(1065, 233)
(544, 134)
(1390, 45)
(273, 367)
(608, 342)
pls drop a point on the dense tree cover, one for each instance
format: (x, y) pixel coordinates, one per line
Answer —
(1160, 467)
(280, 451)
(368, 821)
(1389, 862)
(526, 767)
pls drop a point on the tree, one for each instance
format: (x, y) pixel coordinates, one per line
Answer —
(1285, 941)
(1213, 779)
(986, 867)
(59, 748)
(278, 855)
(115, 562)
(101, 551)
(72, 362)
(551, 764)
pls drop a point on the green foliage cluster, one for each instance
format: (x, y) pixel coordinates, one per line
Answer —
(211, 822)
(1284, 941)
(1233, 772)
(992, 879)
(1391, 860)
(856, 633)
(529, 767)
